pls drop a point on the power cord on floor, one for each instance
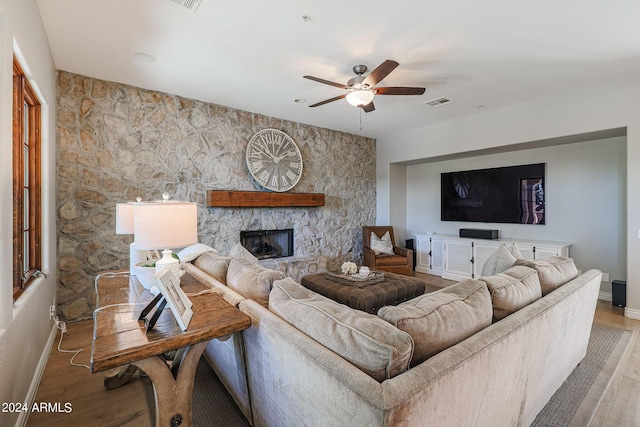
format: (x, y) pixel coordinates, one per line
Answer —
(63, 330)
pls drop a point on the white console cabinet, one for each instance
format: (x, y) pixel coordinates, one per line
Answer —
(458, 258)
(430, 254)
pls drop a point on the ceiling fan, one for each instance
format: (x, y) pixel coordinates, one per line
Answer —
(361, 90)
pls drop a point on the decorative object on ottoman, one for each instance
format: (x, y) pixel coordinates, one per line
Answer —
(349, 268)
(382, 256)
(356, 279)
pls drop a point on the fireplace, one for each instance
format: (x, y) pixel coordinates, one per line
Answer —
(265, 244)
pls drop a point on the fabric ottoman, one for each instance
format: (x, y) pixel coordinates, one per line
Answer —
(395, 288)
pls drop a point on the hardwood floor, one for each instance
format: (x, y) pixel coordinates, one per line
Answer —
(93, 405)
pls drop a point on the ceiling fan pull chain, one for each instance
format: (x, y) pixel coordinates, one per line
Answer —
(360, 118)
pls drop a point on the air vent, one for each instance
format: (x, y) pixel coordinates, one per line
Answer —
(189, 4)
(438, 102)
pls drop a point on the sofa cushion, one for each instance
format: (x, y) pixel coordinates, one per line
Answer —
(441, 319)
(385, 259)
(513, 289)
(214, 264)
(498, 261)
(381, 245)
(239, 251)
(251, 280)
(368, 342)
(553, 272)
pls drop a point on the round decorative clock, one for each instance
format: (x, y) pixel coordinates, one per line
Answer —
(274, 160)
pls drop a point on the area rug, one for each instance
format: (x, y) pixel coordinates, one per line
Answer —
(574, 404)
(577, 400)
(212, 405)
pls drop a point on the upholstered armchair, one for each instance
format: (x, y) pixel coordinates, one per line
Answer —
(395, 260)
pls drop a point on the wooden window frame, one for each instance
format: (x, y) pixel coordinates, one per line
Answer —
(23, 94)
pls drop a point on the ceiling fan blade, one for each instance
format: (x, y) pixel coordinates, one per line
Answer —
(327, 82)
(368, 108)
(326, 101)
(399, 90)
(380, 73)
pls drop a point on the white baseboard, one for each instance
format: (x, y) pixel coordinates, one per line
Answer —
(605, 296)
(37, 376)
(632, 313)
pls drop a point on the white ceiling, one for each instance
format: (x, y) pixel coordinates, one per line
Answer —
(252, 54)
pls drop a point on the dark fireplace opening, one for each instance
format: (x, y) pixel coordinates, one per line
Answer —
(265, 244)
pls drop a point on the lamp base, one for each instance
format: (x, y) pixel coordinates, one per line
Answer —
(170, 262)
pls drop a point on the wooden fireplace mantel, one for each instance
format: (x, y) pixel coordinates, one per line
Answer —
(262, 199)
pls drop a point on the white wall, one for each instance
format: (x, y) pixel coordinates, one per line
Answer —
(25, 327)
(607, 106)
(585, 185)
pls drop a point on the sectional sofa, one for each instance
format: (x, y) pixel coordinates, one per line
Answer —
(487, 352)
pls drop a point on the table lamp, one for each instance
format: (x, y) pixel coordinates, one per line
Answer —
(124, 225)
(165, 225)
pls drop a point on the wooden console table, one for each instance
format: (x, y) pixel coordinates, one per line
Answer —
(119, 339)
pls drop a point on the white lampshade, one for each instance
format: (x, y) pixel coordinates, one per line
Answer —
(359, 98)
(166, 224)
(124, 218)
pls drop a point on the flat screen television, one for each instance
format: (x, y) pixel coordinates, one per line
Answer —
(512, 194)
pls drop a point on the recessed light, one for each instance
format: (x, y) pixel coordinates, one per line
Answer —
(306, 18)
(299, 100)
(143, 57)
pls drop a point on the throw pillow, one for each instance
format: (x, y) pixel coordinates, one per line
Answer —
(553, 272)
(513, 289)
(192, 252)
(515, 251)
(214, 264)
(498, 261)
(441, 319)
(251, 280)
(381, 245)
(368, 342)
(239, 251)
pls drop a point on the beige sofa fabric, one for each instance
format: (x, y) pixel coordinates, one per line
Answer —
(251, 280)
(553, 272)
(214, 264)
(501, 376)
(370, 343)
(513, 289)
(443, 318)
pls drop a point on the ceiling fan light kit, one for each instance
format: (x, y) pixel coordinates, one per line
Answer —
(360, 97)
(361, 90)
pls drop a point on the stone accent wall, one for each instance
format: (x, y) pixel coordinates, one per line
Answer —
(118, 142)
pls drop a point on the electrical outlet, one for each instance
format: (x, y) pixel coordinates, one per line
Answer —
(52, 311)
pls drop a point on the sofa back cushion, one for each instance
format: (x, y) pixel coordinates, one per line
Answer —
(513, 289)
(553, 272)
(368, 342)
(214, 264)
(251, 280)
(441, 319)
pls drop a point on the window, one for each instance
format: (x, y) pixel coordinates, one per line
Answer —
(26, 182)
